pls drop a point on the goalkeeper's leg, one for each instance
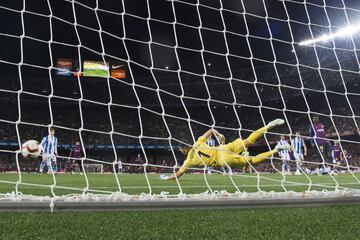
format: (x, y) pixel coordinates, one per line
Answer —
(266, 155)
(261, 131)
(262, 157)
(239, 145)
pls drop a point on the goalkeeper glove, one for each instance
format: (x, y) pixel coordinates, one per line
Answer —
(164, 177)
(245, 153)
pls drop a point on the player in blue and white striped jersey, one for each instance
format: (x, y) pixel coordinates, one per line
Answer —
(49, 152)
(297, 145)
(285, 156)
(210, 142)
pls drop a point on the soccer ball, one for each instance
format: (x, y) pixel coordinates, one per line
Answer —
(31, 149)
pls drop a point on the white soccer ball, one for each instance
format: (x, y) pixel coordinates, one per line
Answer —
(31, 149)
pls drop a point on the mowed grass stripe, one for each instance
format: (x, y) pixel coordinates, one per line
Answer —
(336, 222)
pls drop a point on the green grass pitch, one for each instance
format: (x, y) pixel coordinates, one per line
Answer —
(335, 222)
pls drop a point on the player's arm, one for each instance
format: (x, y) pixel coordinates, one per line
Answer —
(56, 144)
(207, 134)
(186, 165)
(292, 146)
(220, 137)
(333, 156)
(42, 144)
(70, 154)
(172, 176)
(312, 134)
(217, 135)
(305, 148)
(341, 157)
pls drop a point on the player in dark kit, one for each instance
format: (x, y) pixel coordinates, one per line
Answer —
(348, 158)
(318, 137)
(336, 153)
(75, 155)
(336, 156)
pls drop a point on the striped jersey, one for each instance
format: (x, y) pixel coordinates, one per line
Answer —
(49, 145)
(210, 142)
(283, 143)
(297, 143)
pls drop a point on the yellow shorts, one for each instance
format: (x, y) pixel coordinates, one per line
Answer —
(231, 159)
(236, 146)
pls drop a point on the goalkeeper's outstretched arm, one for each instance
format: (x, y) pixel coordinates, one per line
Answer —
(172, 176)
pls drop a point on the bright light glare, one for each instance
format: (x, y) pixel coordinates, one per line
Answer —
(347, 31)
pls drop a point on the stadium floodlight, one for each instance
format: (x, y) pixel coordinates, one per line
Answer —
(344, 32)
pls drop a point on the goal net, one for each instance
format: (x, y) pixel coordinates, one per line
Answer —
(132, 81)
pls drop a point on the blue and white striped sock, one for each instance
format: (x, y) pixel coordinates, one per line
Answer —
(42, 165)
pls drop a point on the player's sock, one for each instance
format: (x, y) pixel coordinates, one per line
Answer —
(283, 168)
(42, 165)
(298, 167)
(262, 156)
(288, 167)
(54, 167)
(50, 169)
(257, 134)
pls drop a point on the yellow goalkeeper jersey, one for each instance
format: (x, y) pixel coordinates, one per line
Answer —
(203, 155)
(227, 155)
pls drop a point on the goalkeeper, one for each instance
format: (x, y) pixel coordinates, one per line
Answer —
(200, 154)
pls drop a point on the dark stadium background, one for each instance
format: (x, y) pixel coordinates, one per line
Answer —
(258, 93)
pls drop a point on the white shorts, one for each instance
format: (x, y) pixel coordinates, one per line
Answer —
(298, 156)
(46, 157)
(285, 157)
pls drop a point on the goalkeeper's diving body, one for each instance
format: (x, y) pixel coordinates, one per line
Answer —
(200, 154)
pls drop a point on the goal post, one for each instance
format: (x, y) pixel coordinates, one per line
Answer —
(132, 81)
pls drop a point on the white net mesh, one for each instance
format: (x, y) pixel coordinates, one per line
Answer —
(190, 66)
